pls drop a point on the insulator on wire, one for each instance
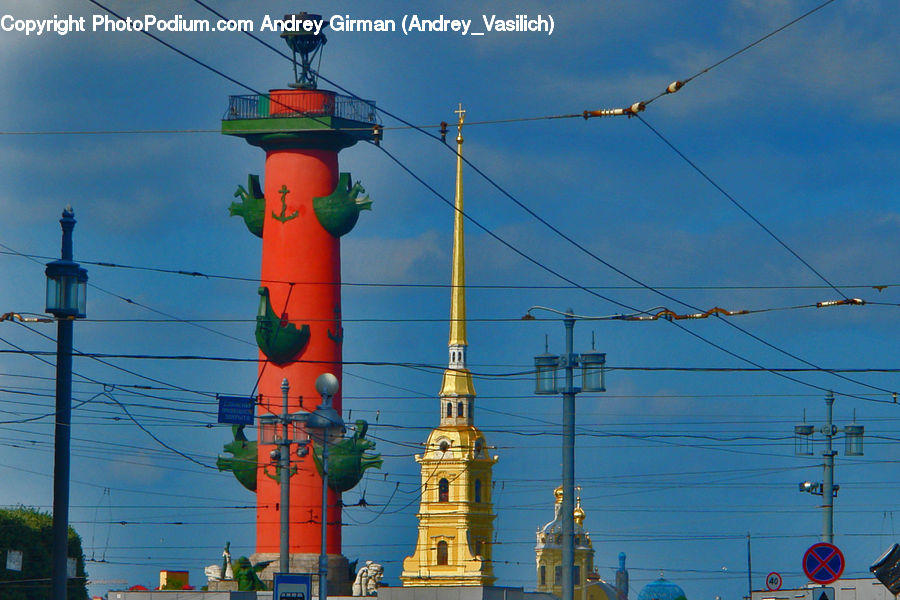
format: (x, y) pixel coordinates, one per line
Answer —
(855, 301)
(606, 112)
(376, 134)
(674, 87)
(444, 131)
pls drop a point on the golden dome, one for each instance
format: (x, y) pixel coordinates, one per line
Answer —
(558, 494)
(578, 514)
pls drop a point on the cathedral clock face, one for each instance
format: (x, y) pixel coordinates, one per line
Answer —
(443, 447)
(479, 447)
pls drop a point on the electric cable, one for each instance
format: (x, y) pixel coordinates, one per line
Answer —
(516, 201)
(560, 233)
(740, 206)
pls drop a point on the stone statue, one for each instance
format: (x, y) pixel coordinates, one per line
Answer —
(226, 562)
(367, 579)
(213, 573)
(223, 572)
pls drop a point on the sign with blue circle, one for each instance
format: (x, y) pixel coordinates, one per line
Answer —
(823, 563)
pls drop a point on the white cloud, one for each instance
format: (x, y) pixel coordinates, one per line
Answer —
(379, 260)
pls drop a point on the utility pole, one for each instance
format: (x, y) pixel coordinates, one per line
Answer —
(828, 491)
(853, 435)
(593, 380)
(568, 468)
(282, 431)
(284, 461)
(322, 424)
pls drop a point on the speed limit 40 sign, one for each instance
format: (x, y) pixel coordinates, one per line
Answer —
(773, 582)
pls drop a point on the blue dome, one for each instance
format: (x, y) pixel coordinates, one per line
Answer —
(662, 589)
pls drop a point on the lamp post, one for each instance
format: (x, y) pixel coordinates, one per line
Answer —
(853, 435)
(322, 423)
(66, 300)
(282, 431)
(592, 380)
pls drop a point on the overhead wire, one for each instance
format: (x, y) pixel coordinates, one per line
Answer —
(218, 72)
(565, 236)
(117, 15)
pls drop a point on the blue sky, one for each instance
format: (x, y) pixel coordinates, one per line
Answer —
(676, 467)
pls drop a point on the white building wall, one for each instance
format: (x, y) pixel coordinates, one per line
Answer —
(844, 589)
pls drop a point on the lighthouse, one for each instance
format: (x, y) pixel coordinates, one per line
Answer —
(300, 211)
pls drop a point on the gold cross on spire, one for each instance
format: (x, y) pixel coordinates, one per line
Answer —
(462, 114)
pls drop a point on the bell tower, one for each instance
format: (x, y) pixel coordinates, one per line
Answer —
(455, 513)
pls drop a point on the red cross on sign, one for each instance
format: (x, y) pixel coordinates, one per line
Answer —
(823, 563)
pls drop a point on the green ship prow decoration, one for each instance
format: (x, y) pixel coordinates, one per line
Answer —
(348, 459)
(252, 206)
(278, 339)
(242, 461)
(339, 212)
(245, 573)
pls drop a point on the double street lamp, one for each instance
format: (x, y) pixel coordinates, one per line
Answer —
(67, 301)
(593, 376)
(853, 435)
(282, 431)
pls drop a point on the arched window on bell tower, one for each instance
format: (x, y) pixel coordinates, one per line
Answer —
(449, 409)
(443, 554)
(477, 490)
(443, 491)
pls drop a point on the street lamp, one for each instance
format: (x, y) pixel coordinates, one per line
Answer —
(282, 431)
(546, 366)
(803, 446)
(323, 424)
(66, 300)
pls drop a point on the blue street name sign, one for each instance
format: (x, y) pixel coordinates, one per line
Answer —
(823, 563)
(292, 586)
(235, 410)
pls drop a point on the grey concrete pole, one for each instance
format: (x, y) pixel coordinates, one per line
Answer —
(568, 460)
(284, 457)
(828, 479)
(323, 557)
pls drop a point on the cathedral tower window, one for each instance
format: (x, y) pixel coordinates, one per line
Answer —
(449, 409)
(477, 490)
(443, 554)
(443, 491)
(543, 574)
(460, 411)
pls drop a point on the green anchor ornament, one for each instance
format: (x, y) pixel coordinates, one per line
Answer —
(284, 191)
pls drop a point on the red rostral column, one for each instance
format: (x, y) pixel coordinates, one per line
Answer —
(306, 206)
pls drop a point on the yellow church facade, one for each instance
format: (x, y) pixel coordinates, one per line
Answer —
(456, 518)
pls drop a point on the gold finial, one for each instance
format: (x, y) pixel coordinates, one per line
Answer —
(462, 118)
(578, 513)
(558, 494)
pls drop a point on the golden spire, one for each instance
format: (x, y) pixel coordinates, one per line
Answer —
(457, 379)
(458, 297)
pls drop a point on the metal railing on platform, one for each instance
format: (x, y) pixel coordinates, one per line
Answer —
(286, 104)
